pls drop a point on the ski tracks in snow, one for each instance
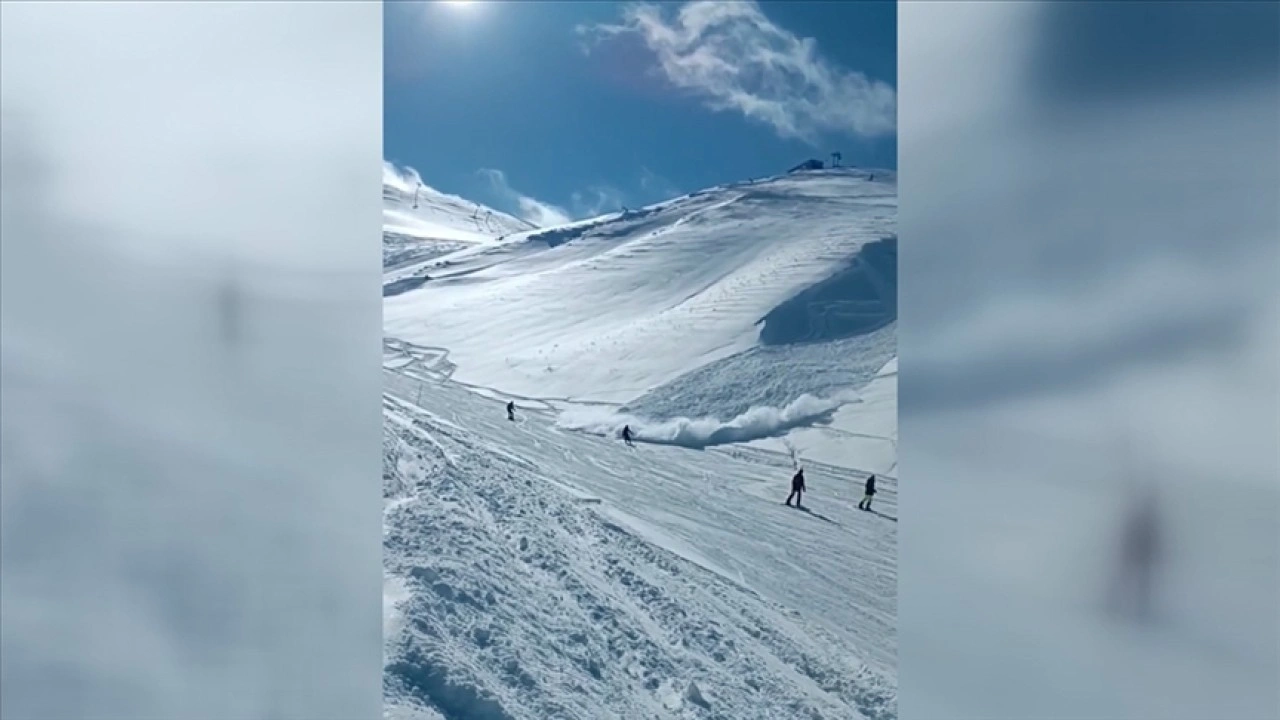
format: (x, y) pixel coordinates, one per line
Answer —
(517, 600)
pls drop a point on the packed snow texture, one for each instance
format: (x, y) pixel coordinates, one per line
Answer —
(539, 568)
(771, 376)
(860, 298)
(861, 435)
(419, 222)
(535, 572)
(607, 309)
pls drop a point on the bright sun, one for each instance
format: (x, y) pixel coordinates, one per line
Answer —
(460, 7)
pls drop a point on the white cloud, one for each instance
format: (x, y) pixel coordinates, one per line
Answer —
(598, 201)
(542, 214)
(404, 179)
(655, 185)
(735, 58)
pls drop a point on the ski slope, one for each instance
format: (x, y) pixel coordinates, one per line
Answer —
(862, 434)
(607, 309)
(419, 222)
(536, 573)
(541, 569)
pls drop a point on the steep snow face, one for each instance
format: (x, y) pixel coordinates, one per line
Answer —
(861, 434)
(535, 573)
(419, 222)
(608, 309)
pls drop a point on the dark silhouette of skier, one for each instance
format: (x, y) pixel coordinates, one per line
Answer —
(797, 488)
(511, 410)
(626, 435)
(1139, 558)
(230, 308)
(870, 493)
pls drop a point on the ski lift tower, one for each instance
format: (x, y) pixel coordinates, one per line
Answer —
(835, 159)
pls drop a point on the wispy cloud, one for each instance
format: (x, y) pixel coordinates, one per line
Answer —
(735, 58)
(405, 179)
(542, 214)
(657, 187)
(597, 201)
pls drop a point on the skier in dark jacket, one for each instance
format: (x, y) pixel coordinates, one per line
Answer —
(1139, 555)
(511, 410)
(797, 487)
(870, 493)
(626, 435)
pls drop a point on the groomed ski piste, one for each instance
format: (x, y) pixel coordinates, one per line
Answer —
(419, 222)
(541, 569)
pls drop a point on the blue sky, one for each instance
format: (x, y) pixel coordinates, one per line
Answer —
(568, 109)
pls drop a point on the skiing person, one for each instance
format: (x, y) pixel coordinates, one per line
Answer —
(797, 487)
(870, 493)
(511, 410)
(626, 435)
(1139, 558)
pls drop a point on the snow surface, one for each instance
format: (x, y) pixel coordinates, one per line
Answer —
(607, 309)
(544, 573)
(439, 224)
(862, 435)
(542, 569)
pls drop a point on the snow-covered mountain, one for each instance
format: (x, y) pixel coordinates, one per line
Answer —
(607, 309)
(419, 221)
(541, 569)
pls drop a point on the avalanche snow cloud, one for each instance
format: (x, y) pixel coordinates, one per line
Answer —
(539, 573)
(698, 433)
(538, 568)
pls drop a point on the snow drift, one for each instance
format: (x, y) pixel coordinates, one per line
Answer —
(859, 299)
